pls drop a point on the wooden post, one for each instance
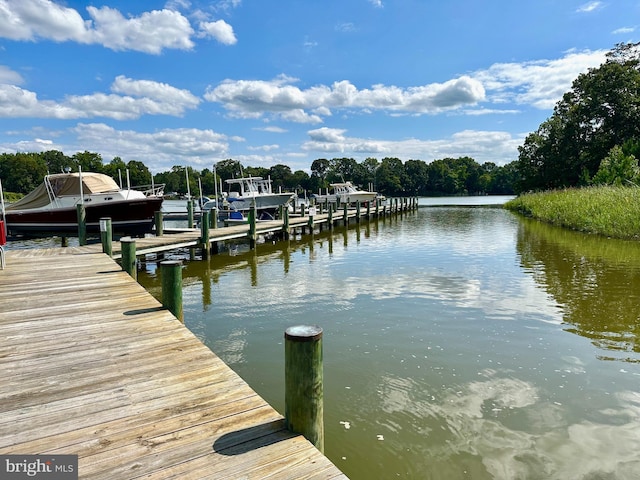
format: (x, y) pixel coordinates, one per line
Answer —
(312, 212)
(204, 232)
(158, 222)
(190, 213)
(214, 218)
(253, 213)
(368, 210)
(304, 410)
(358, 211)
(64, 242)
(128, 259)
(106, 235)
(285, 223)
(330, 217)
(345, 214)
(82, 224)
(171, 271)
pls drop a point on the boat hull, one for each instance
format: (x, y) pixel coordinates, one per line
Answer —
(127, 217)
(262, 202)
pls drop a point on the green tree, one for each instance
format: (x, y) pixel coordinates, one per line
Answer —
(22, 172)
(139, 174)
(417, 177)
(617, 168)
(280, 176)
(600, 112)
(89, 161)
(116, 169)
(319, 171)
(390, 177)
(56, 161)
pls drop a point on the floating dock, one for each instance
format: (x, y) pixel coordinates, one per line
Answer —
(93, 365)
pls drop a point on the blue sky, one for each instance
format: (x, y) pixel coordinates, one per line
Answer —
(272, 82)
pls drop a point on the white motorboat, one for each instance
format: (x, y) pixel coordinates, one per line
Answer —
(345, 192)
(243, 192)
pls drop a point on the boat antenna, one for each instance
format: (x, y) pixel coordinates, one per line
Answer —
(120, 178)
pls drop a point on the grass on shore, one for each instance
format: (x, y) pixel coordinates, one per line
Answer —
(605, 210)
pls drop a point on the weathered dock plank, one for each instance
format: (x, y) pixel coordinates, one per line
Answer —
(93, 365)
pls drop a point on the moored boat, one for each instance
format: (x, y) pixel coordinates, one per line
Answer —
(345, 192)
(52, 207)
(247, 190)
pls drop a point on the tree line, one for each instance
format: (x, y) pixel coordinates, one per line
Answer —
(22, 172)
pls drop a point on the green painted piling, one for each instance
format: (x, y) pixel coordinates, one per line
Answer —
(128, 256)
(171, 272)
(285, 223)
(304, 392)
(158, 222)
(190, 213)
(312, 212)
(204, 232)
(253, 214)
(106, 235)
(81, 214)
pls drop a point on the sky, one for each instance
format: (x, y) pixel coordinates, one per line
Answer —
(266, 82)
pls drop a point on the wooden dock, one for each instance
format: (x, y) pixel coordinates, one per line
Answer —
(92, 365)
(173, 239)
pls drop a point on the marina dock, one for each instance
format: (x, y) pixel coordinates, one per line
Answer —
(94, 366)
(173, 239)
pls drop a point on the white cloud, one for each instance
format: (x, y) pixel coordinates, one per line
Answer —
(279, 97)
(140, 97)
(8, 76)
(161, 149)
(151, 32)
(589, 7)
(539, 83)
(220, 30)
(376, 3)
(483, 146)
(623, 30)
(29, 19)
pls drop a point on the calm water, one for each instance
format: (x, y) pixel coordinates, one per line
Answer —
(458, 342)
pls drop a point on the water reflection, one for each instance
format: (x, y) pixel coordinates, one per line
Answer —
(446, 350)
(596, 280)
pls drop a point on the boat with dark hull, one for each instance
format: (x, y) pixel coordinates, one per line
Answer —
(52, 207)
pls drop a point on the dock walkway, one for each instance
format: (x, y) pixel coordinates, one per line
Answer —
(92, 365)
(173, 239)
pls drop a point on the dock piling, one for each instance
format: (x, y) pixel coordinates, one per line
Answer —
(304, 408)
(158, 222)
(204, 231)
(128, 259)
(171, 272)
(106, 235)
(81, 213)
